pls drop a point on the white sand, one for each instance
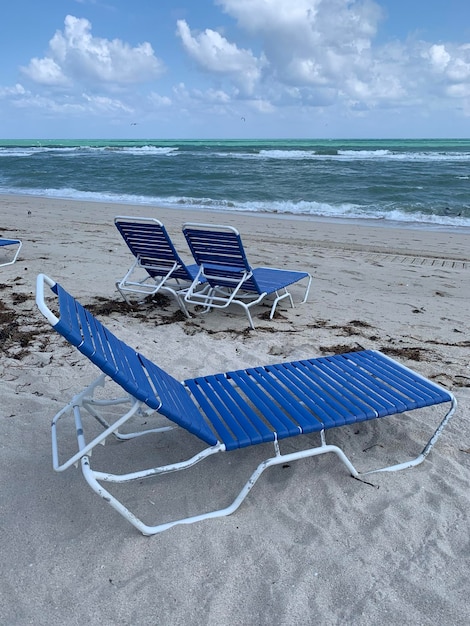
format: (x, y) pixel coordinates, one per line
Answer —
(310, 545)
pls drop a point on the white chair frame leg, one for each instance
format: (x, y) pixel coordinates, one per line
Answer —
(85, 400)
(145, 287)
(16, 242)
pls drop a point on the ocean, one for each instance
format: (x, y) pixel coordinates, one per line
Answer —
(418, 182)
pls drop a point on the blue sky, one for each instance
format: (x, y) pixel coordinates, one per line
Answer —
(234, 69)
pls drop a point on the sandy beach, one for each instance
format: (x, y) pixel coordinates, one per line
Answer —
(310, 545)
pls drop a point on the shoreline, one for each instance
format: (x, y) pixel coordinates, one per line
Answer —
(361, 236)
(379, 222)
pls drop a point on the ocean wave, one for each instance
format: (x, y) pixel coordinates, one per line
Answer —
(80, 150)
(287, 154)
(33, 151)
(364, 154)
(347, 155)
(16, 152)
(145, 150)
(315, 153)
(430, 156)
(285, 208)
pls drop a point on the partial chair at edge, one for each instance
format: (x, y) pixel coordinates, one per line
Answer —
(11, 242)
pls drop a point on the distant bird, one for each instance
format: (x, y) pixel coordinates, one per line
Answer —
(243, 119)
(134, 124)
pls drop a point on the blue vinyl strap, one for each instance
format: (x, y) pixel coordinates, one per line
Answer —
(254, 405)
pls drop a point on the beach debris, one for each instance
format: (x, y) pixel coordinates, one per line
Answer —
(341, 348)
(407, 352)
(16, 335)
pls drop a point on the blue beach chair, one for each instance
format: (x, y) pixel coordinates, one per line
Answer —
(157, 265)
(224, 412)
(218, 251)
(11, 242)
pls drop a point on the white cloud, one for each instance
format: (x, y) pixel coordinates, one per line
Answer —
(106, 105)
(317, 44)
(459, 71)
(81, 104)
(218, 96)
(326, 50)
(298, 58)
(50, 106)
(16, 90)
(45, 72)
(447, 71)
(439, 57)
(262, 106)
(316, 35)
(76, 57)
(159, 101)
(187, 97)
(215, 54)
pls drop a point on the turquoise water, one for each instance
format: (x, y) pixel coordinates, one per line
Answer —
(414, 181)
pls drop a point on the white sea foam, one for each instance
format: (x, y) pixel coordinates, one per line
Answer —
(364, 154)
(300, 209)
(287, 154)
(149, 150)
(349, 155)
(79, 150)
(275, 154)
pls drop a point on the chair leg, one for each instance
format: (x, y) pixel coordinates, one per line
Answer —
(93, 479)
(426, 450)
(307, 289)
(85, 400)
(18, 245)
(278, 299)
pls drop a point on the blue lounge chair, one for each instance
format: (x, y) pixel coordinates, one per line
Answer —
(247, 407)
(11, 242)
(218, 251)
(157, 265)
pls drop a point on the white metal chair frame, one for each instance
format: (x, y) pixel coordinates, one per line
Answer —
(156, 277)
(354, 391)
(220, 297)
(11, 242)
(96, 479)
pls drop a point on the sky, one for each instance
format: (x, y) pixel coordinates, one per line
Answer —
(234, 69)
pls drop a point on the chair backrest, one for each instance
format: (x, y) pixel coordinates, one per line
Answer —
(150, 243)
(131, 370)
(219, 250)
